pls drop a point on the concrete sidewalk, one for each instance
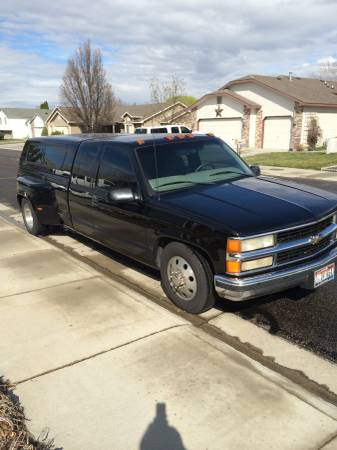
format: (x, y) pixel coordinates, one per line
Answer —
(105, 368)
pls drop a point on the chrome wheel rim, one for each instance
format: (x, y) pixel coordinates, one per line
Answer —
(28, 216)
(182, 278)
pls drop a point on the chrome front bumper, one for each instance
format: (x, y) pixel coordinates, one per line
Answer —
(244, 288)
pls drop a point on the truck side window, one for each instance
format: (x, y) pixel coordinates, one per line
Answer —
(86, 162)
(55, 157)
(175, 129)
(115, 168)
(35, 153)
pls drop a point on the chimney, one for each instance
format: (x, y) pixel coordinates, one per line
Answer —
(290, 76)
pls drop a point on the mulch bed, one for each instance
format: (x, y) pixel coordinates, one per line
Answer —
(14, 434)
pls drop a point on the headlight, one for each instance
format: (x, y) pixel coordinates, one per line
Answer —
(247, 245)
(234, 264)
(257, 263)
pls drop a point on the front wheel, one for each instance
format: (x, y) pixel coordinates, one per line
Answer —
(30, 219)
(186, 278)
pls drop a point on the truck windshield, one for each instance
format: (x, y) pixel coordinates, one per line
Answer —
(179, 165)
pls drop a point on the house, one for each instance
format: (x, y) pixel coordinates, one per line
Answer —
(63, 120)
(126, 118)
(267, 112)
(21, 123)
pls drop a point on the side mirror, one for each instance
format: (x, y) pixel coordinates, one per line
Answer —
(256, 170)
(120, 195)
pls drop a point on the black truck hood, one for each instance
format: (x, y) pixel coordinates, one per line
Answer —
(254, 205)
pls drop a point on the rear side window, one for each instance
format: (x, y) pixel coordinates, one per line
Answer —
(116, 169)
(86, 163)
(35, 153)
(175, 129)
(141, 131)
(159, 130)
(55, 157)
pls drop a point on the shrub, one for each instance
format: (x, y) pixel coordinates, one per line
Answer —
(56, 133)
(44, 131)
(2, 136)
(314, 133)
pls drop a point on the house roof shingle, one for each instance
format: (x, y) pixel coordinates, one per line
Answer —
(140, 111)
(307, 91)
(25, 113)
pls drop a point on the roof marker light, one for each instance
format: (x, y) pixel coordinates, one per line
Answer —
(181, 136)
(190, 135)
(169, 138)
(210, 134)
(140, 141)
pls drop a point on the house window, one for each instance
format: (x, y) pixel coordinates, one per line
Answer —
(219, 100)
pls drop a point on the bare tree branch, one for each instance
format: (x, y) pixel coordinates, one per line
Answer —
(167, 92)
(86, 90)
(328, 70)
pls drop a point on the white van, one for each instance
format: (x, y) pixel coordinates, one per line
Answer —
(163, 129)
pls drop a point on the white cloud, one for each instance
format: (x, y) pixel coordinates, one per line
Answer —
(206, 44)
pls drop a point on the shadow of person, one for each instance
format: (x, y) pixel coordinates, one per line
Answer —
(159, 435)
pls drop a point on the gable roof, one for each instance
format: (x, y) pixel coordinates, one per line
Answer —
(227, 93)
(141, 112)
(306, 91)
(25, 113)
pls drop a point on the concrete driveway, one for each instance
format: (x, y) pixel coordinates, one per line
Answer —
(103, 367)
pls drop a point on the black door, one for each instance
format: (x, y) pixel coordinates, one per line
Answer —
(82, 185)
(122, 226)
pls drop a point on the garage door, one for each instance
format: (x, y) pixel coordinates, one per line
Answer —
(277, 133)
(227, 129)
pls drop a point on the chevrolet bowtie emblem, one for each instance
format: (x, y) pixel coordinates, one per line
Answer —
(315, 239)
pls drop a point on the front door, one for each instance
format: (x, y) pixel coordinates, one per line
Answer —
(121, 226)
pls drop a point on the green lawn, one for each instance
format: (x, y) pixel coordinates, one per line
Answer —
(300, 160)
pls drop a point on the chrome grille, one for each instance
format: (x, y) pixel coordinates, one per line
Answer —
(303, 232)
(305, 251)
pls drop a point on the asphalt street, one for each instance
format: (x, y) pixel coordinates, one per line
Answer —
(306, 318)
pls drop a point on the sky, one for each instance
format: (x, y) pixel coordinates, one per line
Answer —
(206, 43)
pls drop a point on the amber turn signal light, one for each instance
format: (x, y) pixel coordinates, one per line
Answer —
(233, 266)
(169, 138)
(140, 141)
(233, 246)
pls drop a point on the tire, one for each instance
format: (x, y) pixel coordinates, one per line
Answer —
(186, 278)
(31, 220)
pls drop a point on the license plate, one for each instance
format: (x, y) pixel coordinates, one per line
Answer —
(324, 275)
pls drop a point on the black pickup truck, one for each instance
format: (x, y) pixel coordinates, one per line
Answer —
(186, 204)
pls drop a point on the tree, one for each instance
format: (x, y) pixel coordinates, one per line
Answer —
(44, 105)
(44, 131)
(328, 70)
(168, 92)
(86, 90)
(188, 100)
(314, 133)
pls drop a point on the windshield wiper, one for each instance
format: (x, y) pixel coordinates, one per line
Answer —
(225, 172)
(180, 182)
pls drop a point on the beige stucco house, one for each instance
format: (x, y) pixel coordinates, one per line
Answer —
(63, 120)
(267, 112)
(126, 118)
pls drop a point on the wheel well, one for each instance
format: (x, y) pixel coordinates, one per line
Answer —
(163, 242)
